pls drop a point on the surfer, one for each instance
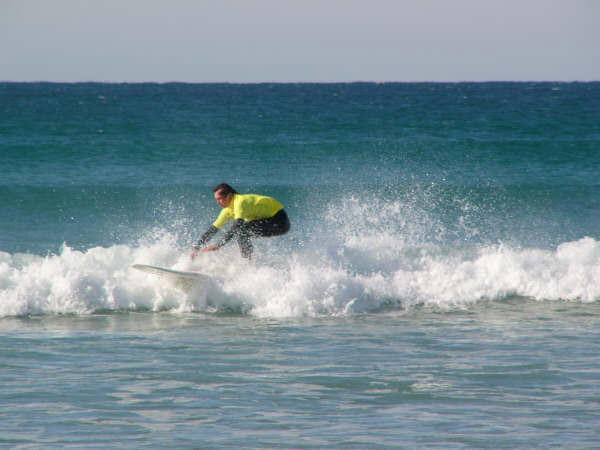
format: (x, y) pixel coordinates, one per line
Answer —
(253, 216)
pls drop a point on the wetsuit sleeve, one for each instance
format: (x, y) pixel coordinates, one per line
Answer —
(235, 229)
(208, 234)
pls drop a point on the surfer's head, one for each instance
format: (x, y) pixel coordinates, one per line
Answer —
(224, 194)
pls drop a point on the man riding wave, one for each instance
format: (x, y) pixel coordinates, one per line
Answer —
(253, 216)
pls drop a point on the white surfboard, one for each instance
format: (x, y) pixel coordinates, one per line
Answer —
(180, 279)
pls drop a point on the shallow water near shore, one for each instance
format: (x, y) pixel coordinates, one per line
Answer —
(502, 375)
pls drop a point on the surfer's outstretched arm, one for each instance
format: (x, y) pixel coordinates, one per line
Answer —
(208, 234)
(235, 229)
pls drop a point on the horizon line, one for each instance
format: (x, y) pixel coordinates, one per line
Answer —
(303, 82)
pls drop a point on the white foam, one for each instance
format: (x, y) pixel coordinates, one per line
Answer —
(354, 275)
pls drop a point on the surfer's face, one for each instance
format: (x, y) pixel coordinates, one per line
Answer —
(223, 200)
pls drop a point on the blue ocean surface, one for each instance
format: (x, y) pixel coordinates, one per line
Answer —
(439, 287)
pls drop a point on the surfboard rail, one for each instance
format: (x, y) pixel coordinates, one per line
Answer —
(181, 279)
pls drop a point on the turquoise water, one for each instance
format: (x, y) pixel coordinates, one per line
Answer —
(509, 375)
(439, 286)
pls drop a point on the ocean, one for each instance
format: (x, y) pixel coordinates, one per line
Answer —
(439, 287)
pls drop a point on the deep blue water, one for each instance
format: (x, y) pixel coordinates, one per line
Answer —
(439, 286)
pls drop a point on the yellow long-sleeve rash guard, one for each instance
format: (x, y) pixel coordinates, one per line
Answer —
(248, 207)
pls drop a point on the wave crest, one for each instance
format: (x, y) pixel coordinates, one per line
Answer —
(360, 275)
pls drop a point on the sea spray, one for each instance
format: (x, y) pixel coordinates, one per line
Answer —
(101, 279)
(364, 251)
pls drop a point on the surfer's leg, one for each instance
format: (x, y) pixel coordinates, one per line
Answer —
(244, 243)
(273, 226)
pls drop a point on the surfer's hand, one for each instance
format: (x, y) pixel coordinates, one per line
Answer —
(194, 253)
(210, 249)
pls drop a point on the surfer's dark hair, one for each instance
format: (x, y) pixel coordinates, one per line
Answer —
(225, 189)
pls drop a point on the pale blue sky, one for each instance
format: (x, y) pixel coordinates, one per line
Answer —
(305, 40)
